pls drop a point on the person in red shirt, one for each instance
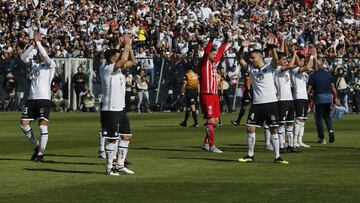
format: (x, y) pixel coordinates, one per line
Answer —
(209, 99)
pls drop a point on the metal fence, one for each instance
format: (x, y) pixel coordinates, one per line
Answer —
(168, 75)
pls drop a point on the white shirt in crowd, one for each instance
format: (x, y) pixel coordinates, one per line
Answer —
(113, 85)
(148, 62)
(263, 84)
(299, 84)
(41, 74)
(283, 84)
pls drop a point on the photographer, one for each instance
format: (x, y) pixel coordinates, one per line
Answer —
(341, 84)
(355, 89)
(88, 101)
(9, 85)
(142, 81)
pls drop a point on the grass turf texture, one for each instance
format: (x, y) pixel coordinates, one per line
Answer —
(170, 167)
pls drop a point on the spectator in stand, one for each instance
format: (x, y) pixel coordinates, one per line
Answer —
(225, 90)
(148, 64)
(129, 89)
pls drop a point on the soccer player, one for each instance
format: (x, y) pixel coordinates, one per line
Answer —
(38, 105)
(264, 107)
(301, 103)
(114, 121)
(190, 88)
(209, 99)
(285, 99)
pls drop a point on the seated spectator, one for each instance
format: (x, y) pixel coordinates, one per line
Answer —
(88, 101)
(57, 100)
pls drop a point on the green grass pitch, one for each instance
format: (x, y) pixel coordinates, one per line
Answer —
(170, 167)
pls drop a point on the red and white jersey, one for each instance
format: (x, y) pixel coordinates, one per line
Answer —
(208, 79)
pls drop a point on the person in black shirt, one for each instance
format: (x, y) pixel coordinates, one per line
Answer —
(79, 80)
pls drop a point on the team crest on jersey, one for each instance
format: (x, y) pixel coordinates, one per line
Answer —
(260, 76)
(35, 73)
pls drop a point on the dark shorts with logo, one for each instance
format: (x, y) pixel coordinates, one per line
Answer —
(114, 123)
(260, 113)
(286, 111)
(36, 109)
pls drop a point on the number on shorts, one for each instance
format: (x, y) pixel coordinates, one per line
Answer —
(252, 116)
(25, 111)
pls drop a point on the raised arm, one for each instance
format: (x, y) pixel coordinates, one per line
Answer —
(271, 44)
(25, 55)
(222, 48)
(239, 55)
(125, 54)
(131, 60)
(292, 61)
(43, 52)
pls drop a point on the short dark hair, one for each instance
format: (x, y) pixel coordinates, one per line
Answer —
(281, 54)
(109, 53)
(300, 56)
(258, 51)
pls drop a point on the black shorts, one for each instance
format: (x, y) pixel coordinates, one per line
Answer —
(301, 108)
(259, 113)
(114, 123)
(191, 97)
(36, 109)
(286, 111)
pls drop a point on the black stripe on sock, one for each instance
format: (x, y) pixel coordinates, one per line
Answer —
(44, 133)
(28, 131)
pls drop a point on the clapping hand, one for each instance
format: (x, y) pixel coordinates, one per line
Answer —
(37, 37)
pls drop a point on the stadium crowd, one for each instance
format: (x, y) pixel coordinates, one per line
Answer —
(180, 30)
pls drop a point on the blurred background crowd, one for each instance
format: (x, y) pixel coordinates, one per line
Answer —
(169, 37)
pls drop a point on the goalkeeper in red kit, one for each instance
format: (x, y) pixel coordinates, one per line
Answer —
(209, 98)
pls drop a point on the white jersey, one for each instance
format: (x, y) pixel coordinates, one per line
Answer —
(41, 75)
(113, 87)
(299, 84)
(263, 84)
(283, 84)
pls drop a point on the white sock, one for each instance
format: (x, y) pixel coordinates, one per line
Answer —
(275, 144)
(296, 133)
(281, 132)
(109, 151)
(116, 150)
(267, 135)
(290, 135)
(301, 131)
(101, 142)
(29, 134)
(122, 151)
(251, 138)
(43, 138)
